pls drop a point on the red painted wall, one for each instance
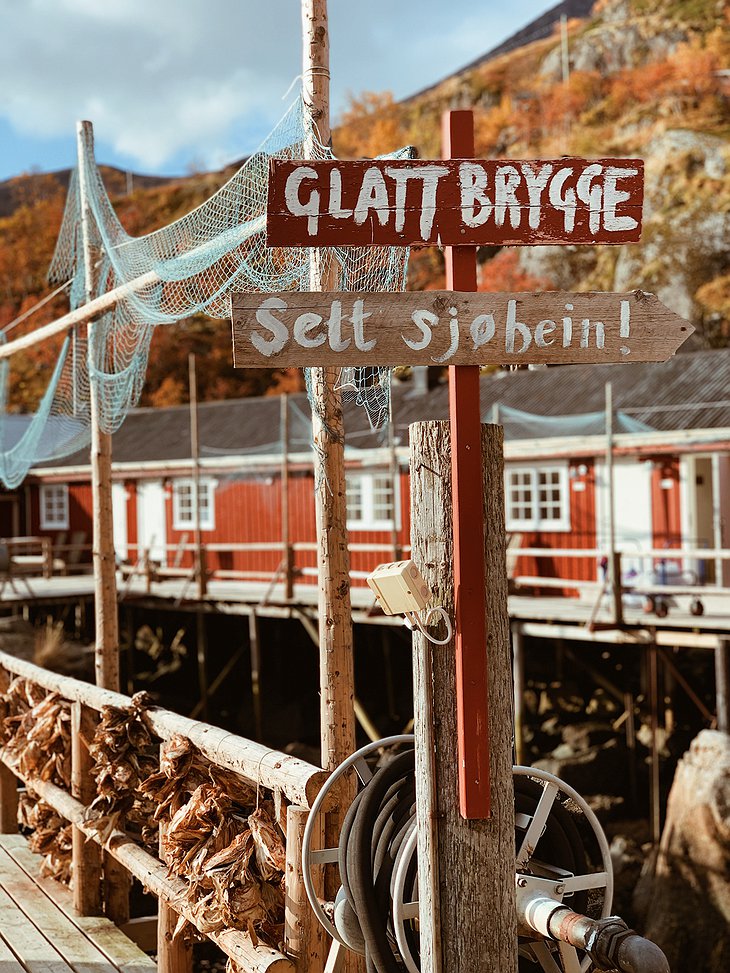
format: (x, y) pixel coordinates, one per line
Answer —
(666, 523)
(582, 535)
(248, 510)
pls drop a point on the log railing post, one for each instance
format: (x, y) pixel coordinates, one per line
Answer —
(173, 955)
(86, 855)
(466, 867)
(8, 782)
(304, 938)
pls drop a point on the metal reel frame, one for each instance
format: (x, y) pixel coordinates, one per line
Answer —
(406, 911)
(559, 889)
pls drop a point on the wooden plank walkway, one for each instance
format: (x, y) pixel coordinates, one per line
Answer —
(40, 932)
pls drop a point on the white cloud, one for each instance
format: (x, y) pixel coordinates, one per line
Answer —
(163, 79)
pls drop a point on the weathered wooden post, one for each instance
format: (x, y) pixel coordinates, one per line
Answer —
(304, 937)
(337, 679)
(105, 586)
(467, 868)
(86, 856)
(173, 955)
(8, 783)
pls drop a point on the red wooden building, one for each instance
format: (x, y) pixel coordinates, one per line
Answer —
(671, 460)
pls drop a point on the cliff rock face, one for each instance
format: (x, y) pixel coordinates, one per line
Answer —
(688, 887)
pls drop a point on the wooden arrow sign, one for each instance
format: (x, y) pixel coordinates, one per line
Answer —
(454, 202)
(451, 328)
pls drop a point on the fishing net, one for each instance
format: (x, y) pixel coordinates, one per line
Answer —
(527, 425)
(188, 267)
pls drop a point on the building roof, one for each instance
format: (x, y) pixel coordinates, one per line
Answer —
(690, 391)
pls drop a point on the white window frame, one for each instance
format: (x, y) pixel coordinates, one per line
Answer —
(54, 506)
(530, 474)
(368, 519)
(184, 521)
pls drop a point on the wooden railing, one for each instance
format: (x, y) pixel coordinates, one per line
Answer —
(296, 782)
(143, 562)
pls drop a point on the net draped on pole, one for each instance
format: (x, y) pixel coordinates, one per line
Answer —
(191, 266)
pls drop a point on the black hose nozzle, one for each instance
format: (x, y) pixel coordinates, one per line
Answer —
(616, 947)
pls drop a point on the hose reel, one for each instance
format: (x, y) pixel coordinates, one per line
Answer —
(563, 874)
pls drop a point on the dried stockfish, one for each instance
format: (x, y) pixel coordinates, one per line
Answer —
(36, 732)
(223, 841)
(50, 836)
(125, 753)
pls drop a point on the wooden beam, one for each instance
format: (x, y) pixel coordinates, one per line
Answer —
(722, 684)
(467, 894)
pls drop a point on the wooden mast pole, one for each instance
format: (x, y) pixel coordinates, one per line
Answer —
(335, 619)
(285, 535)
(105, 589)
(106, 648)
(201, 573)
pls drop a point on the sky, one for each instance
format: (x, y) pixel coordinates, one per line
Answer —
(173, 86)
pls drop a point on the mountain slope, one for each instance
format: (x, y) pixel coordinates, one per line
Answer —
(647, 77)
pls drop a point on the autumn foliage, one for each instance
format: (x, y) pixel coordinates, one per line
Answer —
(522, 110)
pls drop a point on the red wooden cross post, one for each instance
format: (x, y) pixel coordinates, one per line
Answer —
(471, 634)
(461, 203)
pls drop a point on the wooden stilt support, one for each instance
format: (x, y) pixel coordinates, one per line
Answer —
(335, 629)
(105, 588)
(201, 568)
(722, 684)
(201, 644)
(287, 550)
(466, 867)
(656, 821)
(304, 937)
(518, 683)
(86, 855)
(255, 654)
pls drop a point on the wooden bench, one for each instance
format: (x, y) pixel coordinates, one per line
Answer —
(41, 932)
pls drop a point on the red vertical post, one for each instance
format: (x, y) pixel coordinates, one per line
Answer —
(466, 471)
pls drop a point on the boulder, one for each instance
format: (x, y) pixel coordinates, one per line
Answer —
(686, 890)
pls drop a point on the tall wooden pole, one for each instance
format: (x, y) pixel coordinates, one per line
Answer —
(394, 478)
(105, 587)
(201, 573)
(106, 649)
(285, 538)
(614, 557)
(466, 868)
(335, 619)
(470, 628)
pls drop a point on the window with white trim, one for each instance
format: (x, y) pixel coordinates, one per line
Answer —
(54, 506)
(537, 497)
(183, 504)
(370, 501)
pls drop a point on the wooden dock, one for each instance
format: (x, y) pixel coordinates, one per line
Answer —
(41, 931)
(269, 600)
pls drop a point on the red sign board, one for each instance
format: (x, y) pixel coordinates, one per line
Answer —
(460, 202)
